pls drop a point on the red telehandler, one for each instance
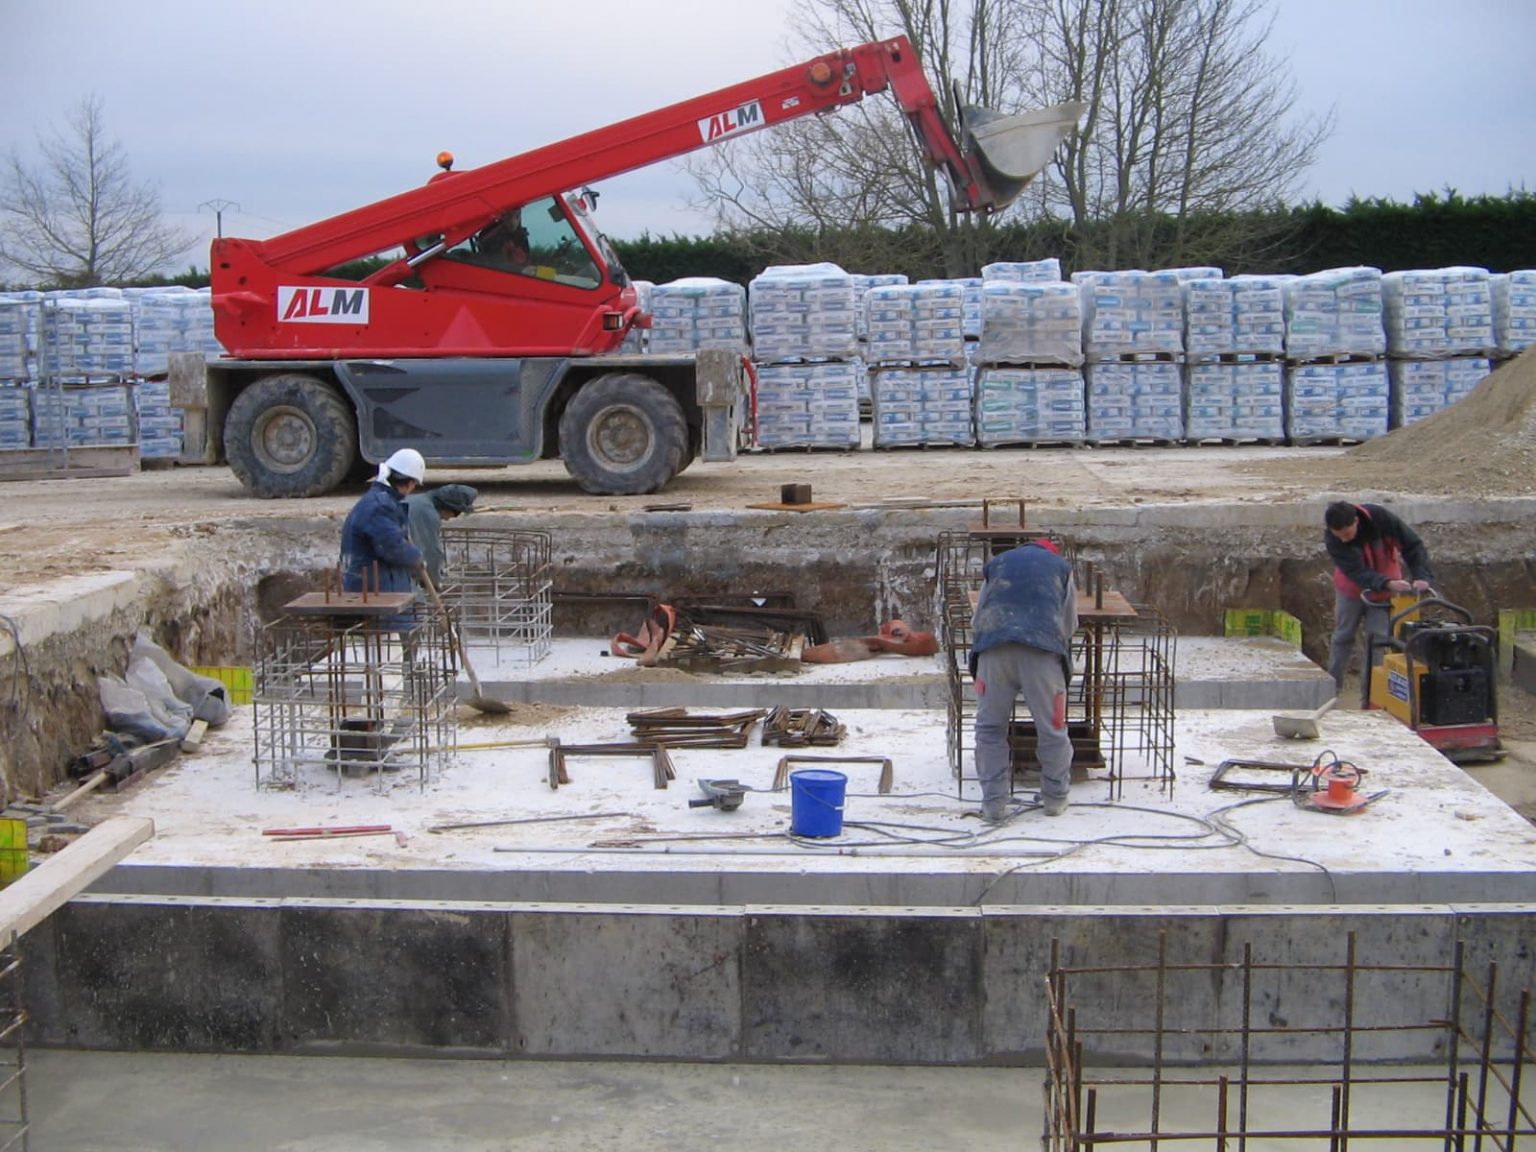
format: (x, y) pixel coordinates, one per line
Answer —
(491, 335)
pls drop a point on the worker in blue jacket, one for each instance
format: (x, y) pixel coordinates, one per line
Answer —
(376, 552)
(1022, 646)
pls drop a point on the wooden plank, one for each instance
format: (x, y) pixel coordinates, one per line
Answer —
(1115, 607)
(350, 603)
(812, 507)
(42, 891)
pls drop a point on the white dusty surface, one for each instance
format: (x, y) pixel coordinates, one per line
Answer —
(208, 810)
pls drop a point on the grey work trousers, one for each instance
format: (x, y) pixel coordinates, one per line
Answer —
(1008, 672)
(1348, 611)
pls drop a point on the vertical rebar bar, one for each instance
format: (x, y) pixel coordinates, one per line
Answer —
(1157, 1035)
(1453, 1037)
(1346, 1069)
(1517, 1063)
(1245, 1047)
(1490, 1014)
(1221, 1114)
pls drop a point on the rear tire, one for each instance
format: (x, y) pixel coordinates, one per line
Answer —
(290, 435)
(623, 435)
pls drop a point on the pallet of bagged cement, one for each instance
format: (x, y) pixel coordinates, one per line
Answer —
(86, 334)
(1334, 315)
(698, 312)
(922, 406)
(1514, 311)
(1131, 313)
(20, 314)
(803, 312)
(1330, 403)
(1239, 317)
(1235, 401)
(1027, 406)
(167, 320)
(1438, 312)
(1135, 401)
(1047, 271)
(809, 405)
(1030, 323)
(915, 323)
(1420, 388)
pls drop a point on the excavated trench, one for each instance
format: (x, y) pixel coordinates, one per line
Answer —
(203, 604)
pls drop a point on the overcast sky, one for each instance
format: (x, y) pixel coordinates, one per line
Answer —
(298, 109)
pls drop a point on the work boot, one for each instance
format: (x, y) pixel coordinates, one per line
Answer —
(1054, 805)
(999, 811)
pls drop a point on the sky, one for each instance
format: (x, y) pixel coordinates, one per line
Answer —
(295, 110)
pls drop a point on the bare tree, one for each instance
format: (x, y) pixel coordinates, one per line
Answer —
(1190, 132)
(1189, 137)
(78, 218)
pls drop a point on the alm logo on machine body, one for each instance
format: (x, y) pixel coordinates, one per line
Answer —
(322, 305)
(732, 122)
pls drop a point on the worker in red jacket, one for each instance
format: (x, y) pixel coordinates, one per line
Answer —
(1374, 554)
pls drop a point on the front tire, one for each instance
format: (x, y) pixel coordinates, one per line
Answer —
(290, 435)
(623, 435)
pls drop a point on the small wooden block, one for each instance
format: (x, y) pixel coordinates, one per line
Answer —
(193, 740)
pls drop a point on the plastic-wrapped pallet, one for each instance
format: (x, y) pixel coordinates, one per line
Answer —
(86, 336)
(1031, 323)
(19, 312)
(1337, 401)
(803, 312)
(1335, 313)
(698, 312)
(1438, 312)
(862, 283)
(15, 416)
(1195, 272)
(1131, 311)
(82, 415)
(1243, 314)
(910, 323)
(170, 320)
(1241, 401)
(1514, 311)
(160, 427)
(809, 405)
(635, 340)
(1135, 400)
(1030, 406)
(1047, 271)
(931, 405)
(1421, 388)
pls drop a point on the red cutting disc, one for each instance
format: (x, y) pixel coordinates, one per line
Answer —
(1354, 800)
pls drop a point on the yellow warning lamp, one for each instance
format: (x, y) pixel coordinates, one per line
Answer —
(445, 161)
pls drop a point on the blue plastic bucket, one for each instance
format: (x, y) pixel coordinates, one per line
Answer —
(816, 802)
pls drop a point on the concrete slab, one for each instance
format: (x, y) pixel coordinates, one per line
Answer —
(1435, 836)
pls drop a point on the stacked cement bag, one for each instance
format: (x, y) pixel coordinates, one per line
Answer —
(79, 415)
(1234, 335)
(803, 312)
(1047, 271)
(160, 427)
(1337, 388)
(1514, 311)
(923, 405)
(86, 335)
(19, 314)
(1131, 312)
(1334, 313)
(1030, 406)
(912, 323)
(862, 283)
(15, 416)
(635, 340)
(812, 405)
(698, 312)
(1348, 401)
(1421, 388)
(167, 320)
(1438, 312)
(1245, 314)
(1030, 323)
(1135, 400)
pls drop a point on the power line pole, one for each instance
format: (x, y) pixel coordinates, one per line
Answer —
(217, 207)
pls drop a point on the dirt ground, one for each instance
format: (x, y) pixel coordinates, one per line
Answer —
(1483, 446)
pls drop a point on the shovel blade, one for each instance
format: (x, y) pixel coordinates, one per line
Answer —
(1010, 150)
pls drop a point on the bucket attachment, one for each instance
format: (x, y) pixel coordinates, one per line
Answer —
(1007, 151)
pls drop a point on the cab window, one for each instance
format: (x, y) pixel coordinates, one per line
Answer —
(534, 240)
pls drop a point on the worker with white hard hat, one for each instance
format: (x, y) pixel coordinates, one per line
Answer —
(376, 552)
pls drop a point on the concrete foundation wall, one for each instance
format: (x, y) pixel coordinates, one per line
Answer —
(859, 985)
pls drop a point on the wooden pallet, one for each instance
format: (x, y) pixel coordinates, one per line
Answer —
(85, 462)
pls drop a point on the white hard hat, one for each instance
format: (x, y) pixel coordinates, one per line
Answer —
(405, 462)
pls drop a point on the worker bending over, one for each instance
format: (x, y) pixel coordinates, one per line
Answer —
(1369, 547)
(425, 513)
(1022, 646)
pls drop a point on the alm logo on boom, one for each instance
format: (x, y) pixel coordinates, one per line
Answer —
(732, 122)
(322, 305)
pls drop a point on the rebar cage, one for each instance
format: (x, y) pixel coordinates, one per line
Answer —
(500, 582)
(14, 1126)
(1238, 1055)
(338, 696)
(1119, 703)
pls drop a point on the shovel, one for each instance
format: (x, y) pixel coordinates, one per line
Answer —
(477, 699)
(1302, 726)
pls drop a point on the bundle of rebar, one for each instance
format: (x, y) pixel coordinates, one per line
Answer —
(677, 728)
(800, 727)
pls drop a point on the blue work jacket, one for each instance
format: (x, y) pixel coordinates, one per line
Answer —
(375, 532)
(1028, 598)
